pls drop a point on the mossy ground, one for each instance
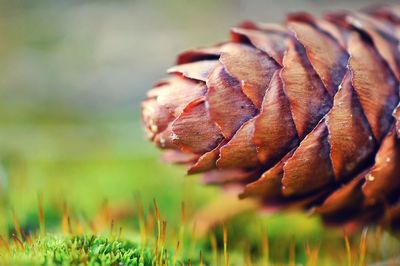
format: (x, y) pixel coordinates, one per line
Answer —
(79, 250)
(146, 239)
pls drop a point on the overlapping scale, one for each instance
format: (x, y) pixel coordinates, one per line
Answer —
(199, 54)
(269, 185)
(227, 104)
(351, 141)
(240, 151)
(308, 98)
(376, 86)
(251, 67)
(194, 130)
(384, 177)
(275, 132)
(385, 42)
(270, 40)
(326, 56)
(310, 168)
(207, 161)
(197, 70)
(344, 201)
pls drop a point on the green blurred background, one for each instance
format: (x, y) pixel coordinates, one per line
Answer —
(72, 75)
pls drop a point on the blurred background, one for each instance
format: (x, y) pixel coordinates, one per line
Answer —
(72, 76)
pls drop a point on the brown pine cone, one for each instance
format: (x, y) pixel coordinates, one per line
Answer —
(305, 115)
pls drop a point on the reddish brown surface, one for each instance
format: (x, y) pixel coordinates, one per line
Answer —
(299, 115)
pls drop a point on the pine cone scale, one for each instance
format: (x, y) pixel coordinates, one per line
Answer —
(343, 200)
(309, 168)
(325, 55)
(194, 131)
(308, 98)
(252, 68)
(240, 151)
(383, 178)
(273, 44)
(378, 105)
(207, 161)
(386, 42)
(275, 133)
(199, 70)
(350, 136)
(229, 113)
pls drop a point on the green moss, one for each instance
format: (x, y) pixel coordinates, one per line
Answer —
(77, 250)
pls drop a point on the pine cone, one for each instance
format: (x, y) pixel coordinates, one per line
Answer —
(303, 115)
